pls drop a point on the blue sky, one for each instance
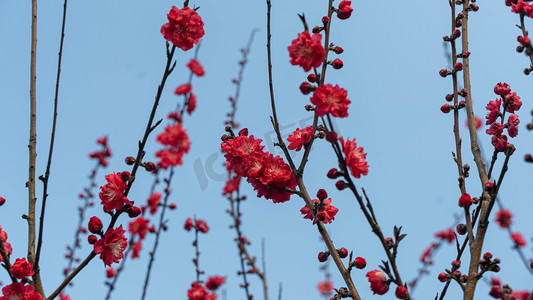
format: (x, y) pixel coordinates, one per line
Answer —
(113, 60)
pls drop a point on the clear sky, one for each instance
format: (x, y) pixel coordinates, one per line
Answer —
(113, 59)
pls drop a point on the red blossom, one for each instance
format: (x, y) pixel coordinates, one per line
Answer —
(326, 210)
(495, 129)
(197, 292)
(189, 223)
(183, 89)
(174, 136)
(19, 291)
(504, 218)
(21, 268)
(110, 273)
(513, 102)
(518, 239)
(139, 226)
(307, 51)
(513, 121)
(137, 247)
(522, 7)
(446, 235)
(354, 157)
(331, 99)
(299, 138)
(195, 67)
(2, 201)
(325, 287)
(502, 89)
(214, 282)
(184, 28)
(64, 297)
(344, 11)
(378, 282)
(201, 225)
(232, 185)
(499, 142)
(191, 103)
(112, 246)
(153, 202)
(112, 194)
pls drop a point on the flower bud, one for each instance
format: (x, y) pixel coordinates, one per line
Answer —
(337, 64)
(317, 29)
(443, 277)
(321, 194)
(92, 239)
(134, 212)
(401, 292)
(333, 174)
(446, 108)
(311, 78)
(487, 256)
(95, 225)
(465, 200)
(341, 185)
(325, 20)
(456, 264)
(443, 73)
(489, 186)
(458, 66)
(461, 229)
(359, 263)
(331, 137)
(306, 88)
(323, 256)
(129, 160)
(343, 252)
(456, 33)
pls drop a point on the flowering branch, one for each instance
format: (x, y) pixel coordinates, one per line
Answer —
(46, 176)
(298, 176)
(158, 232)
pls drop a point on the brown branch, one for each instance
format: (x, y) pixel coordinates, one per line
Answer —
(71, 276)
(158, 232)
(30, 218)
(52, 138)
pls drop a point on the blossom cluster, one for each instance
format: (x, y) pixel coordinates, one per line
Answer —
(178, 144)
(268, 174)
(511, 103)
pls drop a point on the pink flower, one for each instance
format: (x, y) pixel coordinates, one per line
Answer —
(191, 103)
(112, 194)
(19, 291)
(518, 239)
(139, 226)
(184, 28)
(183, 89)
(344, 11)
(495, 129)
(513, 102)
(325, 287)
(195, 67)
(354, 157)
(137, 247)
(202, 226)
(188, 224)
(502, 89)
(331, 99)
(112, 246)
(499, 142)
(504, 218)
(197, 292)
(325, 213)
(169, 157)
(494, 110)
(378, 282)
(232, 185)
(522, 7)
(214, 282)
(174, 136)
(153, 202)
(21, 268)
(299, 138)
(446, 235)
(307, 51)
(513, 121)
